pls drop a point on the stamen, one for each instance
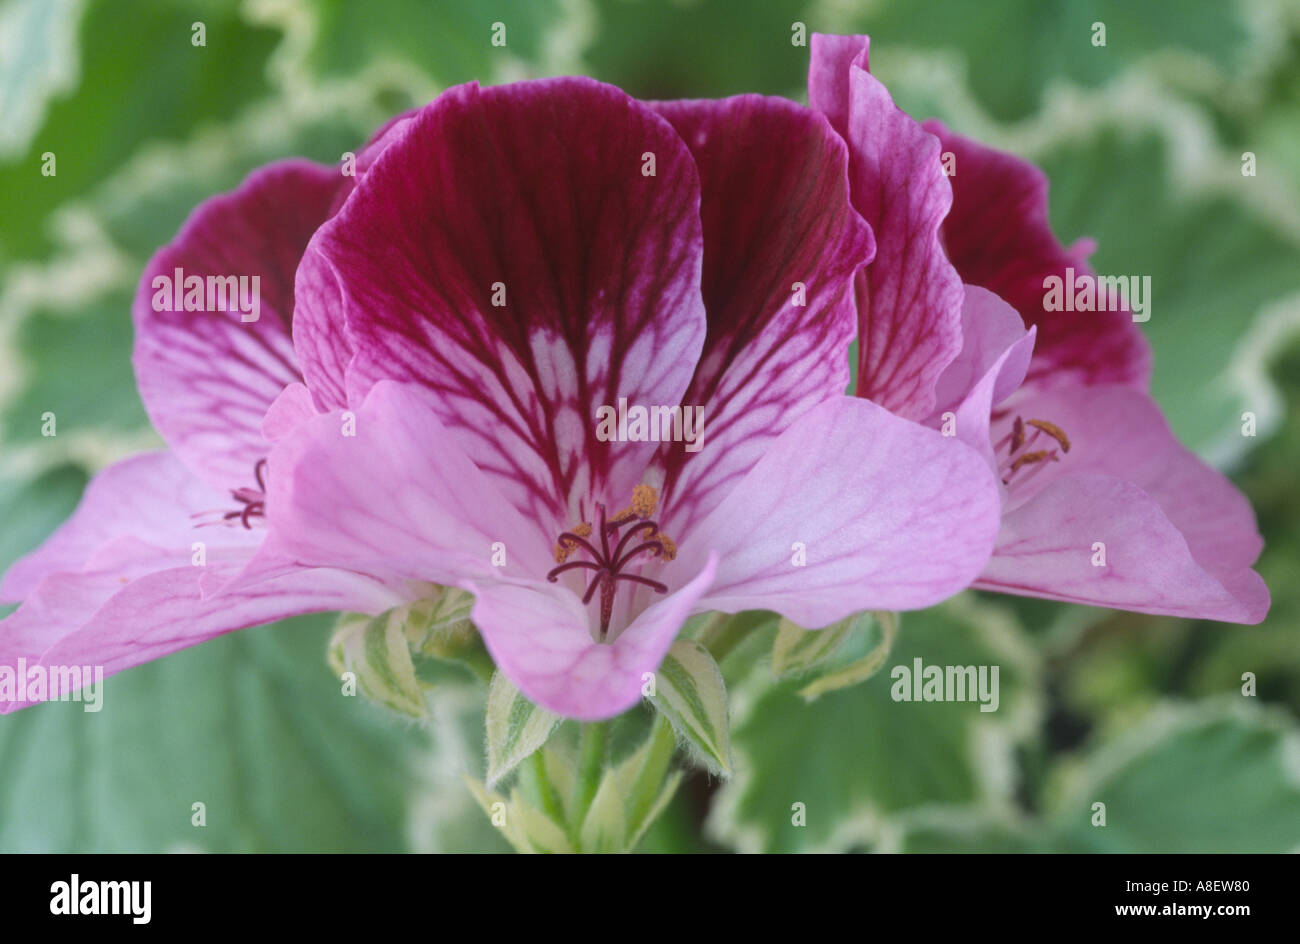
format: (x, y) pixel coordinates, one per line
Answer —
(1031, 457)
(1017, 435)
(1052, 430)
(608, 565)
(569, 542)
(253, 499)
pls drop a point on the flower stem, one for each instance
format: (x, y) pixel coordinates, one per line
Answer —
(538, 787)
(654, 768)
(591, 765)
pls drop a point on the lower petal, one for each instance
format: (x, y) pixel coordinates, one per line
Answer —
(852, 509)
(1100, 540)
(106, 621)
(539, 638)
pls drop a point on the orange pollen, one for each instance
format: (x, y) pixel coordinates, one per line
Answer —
(1023, 434)
(1054, 431)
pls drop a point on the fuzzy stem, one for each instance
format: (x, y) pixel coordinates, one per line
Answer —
(591, 765)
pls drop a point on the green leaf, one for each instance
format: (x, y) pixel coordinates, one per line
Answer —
(515, 728)
(252, 725)
(78, 367)
(1218, 777)
(32, 511)
(690, 693)
(450, 41)
(1014, 49)
(797, 650)
(38, 60)
(671, 50)
(604, 829)
(1214, 265)
(439, 628)
(164, 90)
(377, 652)
(644, 779)
(528, 829)
(858, 761)
(800, 651)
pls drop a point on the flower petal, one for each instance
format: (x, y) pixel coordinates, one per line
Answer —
(989, 329)
(910, 297)
(287, 411)
(1047, 546)
(101, 619)
(888, 515)
(388, 493)
(137, 515)
(781, 244)
(998, 236)
(538, 637)
(207, 377)
(1183, 546)
(996, 351)
(537, 195)
(320, 336)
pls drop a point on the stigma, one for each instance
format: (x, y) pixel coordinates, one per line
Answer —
(608, 564)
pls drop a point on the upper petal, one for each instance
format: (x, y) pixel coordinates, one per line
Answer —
(851, 509)
(998, 236)
(207, 377)
(781, 243)
(320, 336)
(528, 253)
(910, 297)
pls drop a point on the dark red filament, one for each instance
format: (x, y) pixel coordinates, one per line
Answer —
(609, 565)
(253, 499)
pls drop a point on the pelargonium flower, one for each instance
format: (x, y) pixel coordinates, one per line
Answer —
(512, 260)
(120, 583)
(528, 254)
(1101, 504)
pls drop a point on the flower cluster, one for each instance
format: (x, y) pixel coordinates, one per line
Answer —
(416, 402)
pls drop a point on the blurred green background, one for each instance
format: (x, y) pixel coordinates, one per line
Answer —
(1143, 140)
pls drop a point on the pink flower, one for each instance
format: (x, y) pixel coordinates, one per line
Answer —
(1101, 504)
(529, 254)
(121, 581)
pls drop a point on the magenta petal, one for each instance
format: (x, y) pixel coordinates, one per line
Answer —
(320, 335)
(207, 377)
(103, 620)
(539, 637)
(910, 297)
(535, 190)
(398, 500)
(886, 513)
(777, 283)
(998, 236)
(1180, 539)
(136, 516)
